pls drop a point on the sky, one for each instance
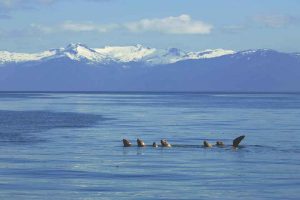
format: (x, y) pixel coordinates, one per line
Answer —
(36, 25)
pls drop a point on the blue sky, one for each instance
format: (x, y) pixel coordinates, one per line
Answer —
(34, 25)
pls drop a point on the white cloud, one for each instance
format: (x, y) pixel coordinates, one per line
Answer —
(78, 27)
(85, 27)
(182, 24)
(73, 27)
(274, 21)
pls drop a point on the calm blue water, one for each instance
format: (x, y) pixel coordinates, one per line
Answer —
(68, 146)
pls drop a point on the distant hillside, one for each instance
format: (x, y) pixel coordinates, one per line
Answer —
(136, 68)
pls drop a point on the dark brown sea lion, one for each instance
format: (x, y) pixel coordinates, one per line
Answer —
(140, 143)
(165, 143)
(154, 145)
(206, 144)
(126, 143)
(220, 144)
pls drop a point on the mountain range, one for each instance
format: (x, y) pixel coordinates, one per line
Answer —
(108, 55)
(136, 68)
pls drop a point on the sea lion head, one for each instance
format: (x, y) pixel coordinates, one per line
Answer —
(206, 144)
(126, 143)
(219, 143)
(140, 143)
(154, 144)
(165, 143)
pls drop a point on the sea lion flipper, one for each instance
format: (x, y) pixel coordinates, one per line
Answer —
(236, 141)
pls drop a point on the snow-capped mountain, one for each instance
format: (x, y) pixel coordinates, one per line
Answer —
(128, 68)
(126, 53)
(8, 57)
(108, 54)
(78, 52)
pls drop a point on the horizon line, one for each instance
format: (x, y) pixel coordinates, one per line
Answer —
(154, 92)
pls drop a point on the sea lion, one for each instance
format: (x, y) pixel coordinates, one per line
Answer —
(140, 143)
(165, 143)
(206, 144)
(220, 144)
(154, 145)
(126, 143)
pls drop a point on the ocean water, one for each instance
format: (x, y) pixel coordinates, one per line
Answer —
(69, 146)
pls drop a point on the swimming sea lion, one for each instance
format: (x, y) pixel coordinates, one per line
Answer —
(236, 141)
(165, 143)
(206, 144)
(140, 143)
(154, 145)
(220, 144)
(126, 143)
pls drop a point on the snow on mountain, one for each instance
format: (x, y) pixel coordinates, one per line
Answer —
(120, 54)
(126, 53)
(8, 57)
(79, 52)
(209, 53)
(162, 56)
(174, 55)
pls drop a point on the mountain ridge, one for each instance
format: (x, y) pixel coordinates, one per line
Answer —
(107, 54)
(262, 70)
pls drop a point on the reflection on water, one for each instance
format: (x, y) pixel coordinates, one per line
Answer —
(69, 146)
